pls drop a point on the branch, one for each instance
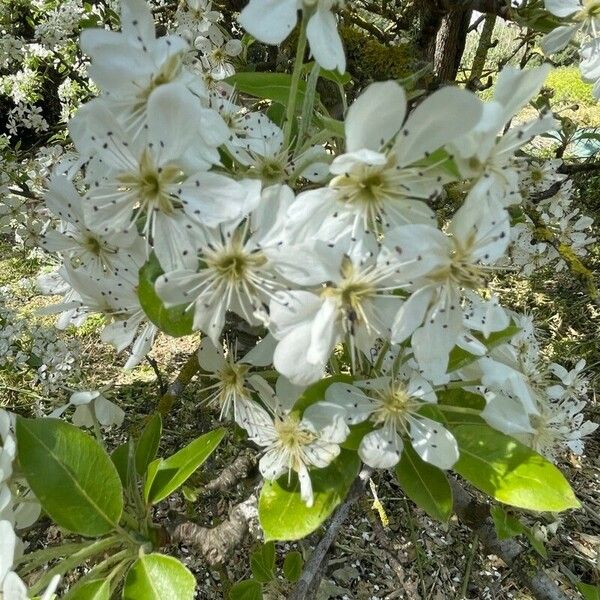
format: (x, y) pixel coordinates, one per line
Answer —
(230, 476)
(175, 389)
(525, 568)
(216, 544)
(313, 569)
(502, 8)
(579, 168)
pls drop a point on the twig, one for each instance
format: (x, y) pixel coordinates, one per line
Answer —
(313, 569)
(159, 378)
(175, 389)
(524, 567)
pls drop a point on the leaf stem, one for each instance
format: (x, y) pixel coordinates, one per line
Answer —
(296, 74)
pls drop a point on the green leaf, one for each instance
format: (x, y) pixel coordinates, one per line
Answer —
(282, 513)
(262, 563)
(174, 321)
(159, 577)
(246, 590)
(292, 566)
(269, 86)
(147, 445)
(97, 589)
(426, 485)
(165, 476)
(357, 432)
(336, 127)
(589, 592)
(508, 526)
(316, 392)
(120, 458)
(71, 475)
(509, 471)
(460, 358)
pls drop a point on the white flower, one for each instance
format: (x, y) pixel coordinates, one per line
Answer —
(583, 14)
(217, 53)
(92, 406)
(380, 182)
(11, 586)
(232, 382)
(129, 66)
(236, 268)
(74, 239)
(294, 443)
(437, 267)
(162, 181)
(271, 21)
(486, 154)
(357, 304)
(392, 404)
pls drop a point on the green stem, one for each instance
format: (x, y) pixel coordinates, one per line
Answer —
(73, 561)
(308, 105)
(381, 356)
(296, 74)
(39, 557)
(96, 571)
(458, 385)
(415, 542)
(459, 409)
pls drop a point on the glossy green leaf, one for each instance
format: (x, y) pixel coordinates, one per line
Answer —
(71, 475)
(509, 471)
(292, 566)
(166, 475)
(426, 485)
(269, 86)
(316, 392)
(159, 577)
(460, 358)
(282, 513)
(249, 589)
(357, 432)
(174, 321)
(589, 592)
(262, 563)
(120, 458)
(336, 127)
(147, 445)
(98, 589)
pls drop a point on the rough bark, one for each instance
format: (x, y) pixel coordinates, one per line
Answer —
(450, 43)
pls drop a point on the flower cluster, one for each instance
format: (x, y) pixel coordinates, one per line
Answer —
(582, 18)
(327, 252)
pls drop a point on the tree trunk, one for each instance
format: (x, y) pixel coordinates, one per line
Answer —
(450, 43)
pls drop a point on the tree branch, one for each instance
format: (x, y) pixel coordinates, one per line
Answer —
(312, 574)
(502, 8)
(525, 568)
(175, 389)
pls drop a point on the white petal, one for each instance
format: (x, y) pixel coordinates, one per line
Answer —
(13, 588)
(411, 314)
(78, 398)
(323, 334)
(557, 39)
(381, 448)
(8, 541)
(329, 420)
(375, 116)
(562, 8)
(433, 442)
(324, 39)
(137, 21)
(306, 492)
(269, 21)
(210, 357)
(516, 87)
(506, 414)
(273, 464)
(437, 121)
(290, 357)
(108, 413)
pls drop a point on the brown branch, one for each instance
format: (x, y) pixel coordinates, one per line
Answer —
(310, 579)
(579, 168)
(524, 567)
(230, 476)
(216, 544)
(502, 8)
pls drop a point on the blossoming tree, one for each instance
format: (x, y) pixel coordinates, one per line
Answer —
(339, 265)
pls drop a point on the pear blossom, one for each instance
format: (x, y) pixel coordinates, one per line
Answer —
(271, 21)
(485, 155)
(91, 407)
(392, 403)
(164, 181)
(437, 267)
(584, 16)
(295, 443)
(232, 383)
(237, 268)
(128, 66)
(217, 53)
(381, 181)
(357, 305)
